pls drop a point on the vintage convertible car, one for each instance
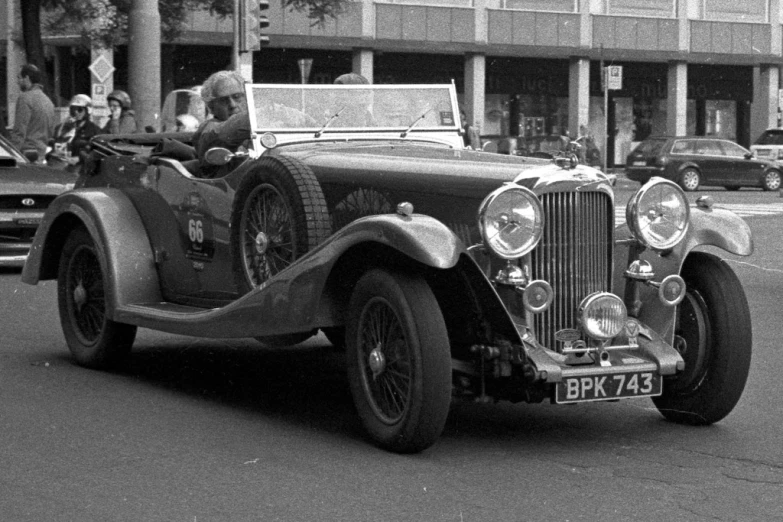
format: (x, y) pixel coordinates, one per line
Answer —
(444, 273)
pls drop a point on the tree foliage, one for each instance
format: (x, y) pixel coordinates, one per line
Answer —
(105, 22)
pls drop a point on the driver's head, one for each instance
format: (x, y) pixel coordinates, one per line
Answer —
(224, 94)
(351, 79)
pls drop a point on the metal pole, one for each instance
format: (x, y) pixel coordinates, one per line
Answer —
(605, 85)
(235, 45)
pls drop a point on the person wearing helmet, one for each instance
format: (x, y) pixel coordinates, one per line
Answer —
(122, 119)
(72, 137)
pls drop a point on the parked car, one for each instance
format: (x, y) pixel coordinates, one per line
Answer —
(444, 273)
(26, 189)
(694, 161)
(769, 145)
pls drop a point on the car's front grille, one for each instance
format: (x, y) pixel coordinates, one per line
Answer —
(25, 202)
(574, 256)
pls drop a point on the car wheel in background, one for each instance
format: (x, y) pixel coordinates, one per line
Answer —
(771, 180)
(279, 215)
(94, 340)
(398, 360)
(690, 179)
(714, 336)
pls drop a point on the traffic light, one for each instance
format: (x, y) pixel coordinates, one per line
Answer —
(252, 25)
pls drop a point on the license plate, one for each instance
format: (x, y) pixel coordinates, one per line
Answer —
(28, 221)
(607, 387)
(639, 163)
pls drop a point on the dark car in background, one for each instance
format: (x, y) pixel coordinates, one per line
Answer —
(26, 189)
(693, 161)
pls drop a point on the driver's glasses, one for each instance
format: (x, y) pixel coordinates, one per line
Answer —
(76, 110)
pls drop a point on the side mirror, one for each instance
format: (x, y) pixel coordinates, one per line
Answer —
(218, 156)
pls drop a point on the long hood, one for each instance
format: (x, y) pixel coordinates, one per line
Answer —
(418, 167)
(35, 180)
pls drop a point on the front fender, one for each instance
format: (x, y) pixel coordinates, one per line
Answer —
(715, 227)
(120, 239)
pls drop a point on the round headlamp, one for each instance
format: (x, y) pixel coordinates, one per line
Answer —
(511, 220)
(658, 214)
(602, 315)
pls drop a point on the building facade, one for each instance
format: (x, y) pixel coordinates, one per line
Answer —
(527, 69)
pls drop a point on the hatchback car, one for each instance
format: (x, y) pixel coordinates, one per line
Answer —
(443, 273)
(694, 161)
(26, 189)
(769, 145)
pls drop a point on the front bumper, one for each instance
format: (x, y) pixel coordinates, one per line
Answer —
(643, 174)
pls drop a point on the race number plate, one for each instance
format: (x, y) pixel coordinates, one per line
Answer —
(608, 387)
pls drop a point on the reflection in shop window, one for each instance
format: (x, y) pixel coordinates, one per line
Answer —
(721, 119)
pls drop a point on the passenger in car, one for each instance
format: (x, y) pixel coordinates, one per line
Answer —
(229, 126)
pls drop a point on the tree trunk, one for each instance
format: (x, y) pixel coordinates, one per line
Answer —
(33, 44)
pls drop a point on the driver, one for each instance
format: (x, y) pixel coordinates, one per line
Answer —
(229, 127)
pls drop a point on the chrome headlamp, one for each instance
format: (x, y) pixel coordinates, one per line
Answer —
(658, 214)
(511, 220)
(602, 315)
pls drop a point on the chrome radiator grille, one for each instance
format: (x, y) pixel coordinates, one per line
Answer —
(574, 256)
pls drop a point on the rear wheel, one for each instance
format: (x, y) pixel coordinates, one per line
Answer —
(713, 335)
(94, 340)
(398, 360)
(771, 180)
(690, 179)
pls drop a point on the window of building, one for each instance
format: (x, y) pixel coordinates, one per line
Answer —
(560, 6)
(656, 8)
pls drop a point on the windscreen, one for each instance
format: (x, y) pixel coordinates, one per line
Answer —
(336, 108)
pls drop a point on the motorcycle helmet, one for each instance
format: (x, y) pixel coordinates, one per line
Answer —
(121, 97)
(81, 100)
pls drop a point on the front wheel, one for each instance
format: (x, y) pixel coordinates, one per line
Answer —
(94, 340)
(398, 360)
(771, 180)
(713, 334)
(690, 179)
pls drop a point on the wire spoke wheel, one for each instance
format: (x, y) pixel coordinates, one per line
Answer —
(385, 361)
(269, 236)
(398, 360)
(94, 339)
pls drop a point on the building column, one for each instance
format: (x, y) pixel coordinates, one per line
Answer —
(363, 63)
(764, 111)
(578, 94)
(676, 99)
(475, 94)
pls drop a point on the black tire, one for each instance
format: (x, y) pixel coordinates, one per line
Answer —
(398, 360)
(279, 215)
(690, 179)
(771, 180)
(714, 336)
(94, 340)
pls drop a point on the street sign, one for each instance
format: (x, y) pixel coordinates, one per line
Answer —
(101, 68)
(614, 77)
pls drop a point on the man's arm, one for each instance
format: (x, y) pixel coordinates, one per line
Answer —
(230, 134)
(21, 121)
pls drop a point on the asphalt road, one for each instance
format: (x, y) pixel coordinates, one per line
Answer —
(212, 430)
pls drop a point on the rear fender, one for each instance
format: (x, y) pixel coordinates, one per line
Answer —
(120, 238)
(708, 227)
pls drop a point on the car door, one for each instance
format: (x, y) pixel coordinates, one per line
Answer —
(709, 156)
(739, 170)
